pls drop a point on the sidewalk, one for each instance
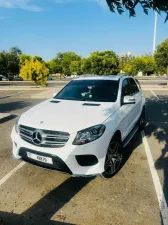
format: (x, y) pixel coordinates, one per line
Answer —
(47, 94)
(154, 87)
(22, 88)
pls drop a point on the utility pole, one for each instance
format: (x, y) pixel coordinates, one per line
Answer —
(155, 31)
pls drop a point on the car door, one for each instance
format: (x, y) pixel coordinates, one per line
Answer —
(126, 110)
(138, 99)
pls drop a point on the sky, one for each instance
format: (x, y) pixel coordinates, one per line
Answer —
(45, 27)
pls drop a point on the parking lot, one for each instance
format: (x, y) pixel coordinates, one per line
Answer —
(30, 195)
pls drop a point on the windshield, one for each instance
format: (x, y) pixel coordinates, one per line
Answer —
(90, 90)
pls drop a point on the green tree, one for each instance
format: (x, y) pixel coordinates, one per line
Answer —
(34, 71)
(40, 59)
(101, 63)
(145, 64)
(55, 66)
(67, 59)
(130, 5)
(62, 62)
(3, 63)
(16, 50)
(86, 66)
(138, 65)
(96, 63)
(9, 63)
(75, 67)
(12, 64)
(161, 57)
(128, 69)
(23, 58)
(110, 63)
(149, 65)
(124, 61)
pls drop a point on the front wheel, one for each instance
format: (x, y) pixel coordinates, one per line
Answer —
(114, 158)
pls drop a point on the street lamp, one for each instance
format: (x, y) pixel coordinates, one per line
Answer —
(155, 30)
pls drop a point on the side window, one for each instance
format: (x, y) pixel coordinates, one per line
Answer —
(125, 88)
(133, 86)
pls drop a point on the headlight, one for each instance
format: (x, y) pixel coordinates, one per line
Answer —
(88, 135)
(16, 125)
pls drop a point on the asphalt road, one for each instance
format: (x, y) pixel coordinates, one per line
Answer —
(36, 196)
(53, 83)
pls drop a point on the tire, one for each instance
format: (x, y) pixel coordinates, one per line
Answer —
(114, 158)
(141, 122)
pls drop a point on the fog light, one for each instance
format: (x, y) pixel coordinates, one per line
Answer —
(86, 160)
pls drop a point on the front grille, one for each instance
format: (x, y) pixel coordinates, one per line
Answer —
(50, 139)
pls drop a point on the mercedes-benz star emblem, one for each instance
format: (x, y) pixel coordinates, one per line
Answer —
(37, 137)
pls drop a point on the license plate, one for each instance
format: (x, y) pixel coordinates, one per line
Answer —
(40, 158)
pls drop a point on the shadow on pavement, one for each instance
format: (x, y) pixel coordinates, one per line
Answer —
(134, 143)
(42, 211)
(157, 109)
(11, 106)
(157, 115)
(10, 117)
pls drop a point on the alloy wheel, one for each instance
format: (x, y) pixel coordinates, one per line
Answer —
(113, 160)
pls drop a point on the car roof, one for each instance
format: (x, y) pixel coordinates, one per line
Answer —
(97, 77)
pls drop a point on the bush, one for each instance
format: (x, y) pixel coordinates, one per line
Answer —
(34, 71)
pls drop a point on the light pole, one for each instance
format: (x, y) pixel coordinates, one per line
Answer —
(155, 30)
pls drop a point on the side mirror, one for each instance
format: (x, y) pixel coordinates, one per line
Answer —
(128, 100)
(54, 94)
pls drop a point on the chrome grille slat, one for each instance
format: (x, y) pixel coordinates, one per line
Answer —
(56, 136)
(30, 129)
(26, 131)
(54, 143)
(51, 139)
(25, 137)
(55, 132)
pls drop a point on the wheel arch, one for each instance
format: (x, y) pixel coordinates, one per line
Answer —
(144, 107)
(118, 134)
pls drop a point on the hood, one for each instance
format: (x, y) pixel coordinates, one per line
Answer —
(67, 116)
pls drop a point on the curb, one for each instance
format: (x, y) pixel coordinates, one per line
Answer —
(22, 88)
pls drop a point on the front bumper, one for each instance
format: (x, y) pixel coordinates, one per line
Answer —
(64, 158)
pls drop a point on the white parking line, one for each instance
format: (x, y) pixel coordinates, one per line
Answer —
(17, 93)
(154, 94)
(5, 178)
(159, 191)
(10, 95)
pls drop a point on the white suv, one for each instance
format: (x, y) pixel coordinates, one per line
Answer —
(84, 128)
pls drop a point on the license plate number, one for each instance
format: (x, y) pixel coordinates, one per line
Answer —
(40, 158)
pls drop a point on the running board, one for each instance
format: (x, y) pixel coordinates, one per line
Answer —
(130, 136)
